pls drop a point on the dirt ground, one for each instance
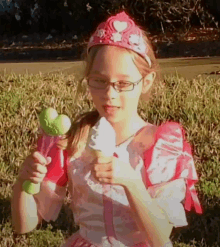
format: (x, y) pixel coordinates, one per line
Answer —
(37, 47)
(192, 53)
(186, 67)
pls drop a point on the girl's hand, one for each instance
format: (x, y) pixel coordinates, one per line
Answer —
(34, 168)
(116, 172)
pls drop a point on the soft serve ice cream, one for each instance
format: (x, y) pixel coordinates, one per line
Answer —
(102, 138)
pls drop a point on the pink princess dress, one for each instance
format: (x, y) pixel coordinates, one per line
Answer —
(103, 212)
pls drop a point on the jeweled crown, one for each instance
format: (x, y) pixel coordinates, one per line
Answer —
(120, 30)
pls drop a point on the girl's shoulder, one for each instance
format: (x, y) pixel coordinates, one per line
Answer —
(170, 155)
(171, 133)
(169, 159)
(171, 136)
(168, 131)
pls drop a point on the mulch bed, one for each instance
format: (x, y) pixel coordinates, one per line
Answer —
(194, 43)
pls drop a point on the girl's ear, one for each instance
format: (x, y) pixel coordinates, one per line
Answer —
(148, 81)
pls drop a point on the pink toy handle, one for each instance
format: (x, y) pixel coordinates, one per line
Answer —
(45, 143)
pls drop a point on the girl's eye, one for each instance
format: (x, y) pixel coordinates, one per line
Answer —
(97, 80)
(123, 84)
(100, 81)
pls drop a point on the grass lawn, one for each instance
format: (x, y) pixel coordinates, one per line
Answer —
(193, 103)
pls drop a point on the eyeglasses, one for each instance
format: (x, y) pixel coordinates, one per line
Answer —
(119, 86)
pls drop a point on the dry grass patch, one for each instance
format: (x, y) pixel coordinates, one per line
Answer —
(194, 103)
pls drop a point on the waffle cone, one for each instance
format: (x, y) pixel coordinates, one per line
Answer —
(100, 155)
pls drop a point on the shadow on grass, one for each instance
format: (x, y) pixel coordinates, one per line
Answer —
(65, 222)
(203, 229)
(5, 210)
(36, 54)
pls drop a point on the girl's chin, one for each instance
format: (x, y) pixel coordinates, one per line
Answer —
(111, 117)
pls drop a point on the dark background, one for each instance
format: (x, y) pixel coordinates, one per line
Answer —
(34, 29)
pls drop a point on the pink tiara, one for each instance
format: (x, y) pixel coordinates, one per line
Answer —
(120, 30)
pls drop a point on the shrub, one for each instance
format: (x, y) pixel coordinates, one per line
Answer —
(83, 16)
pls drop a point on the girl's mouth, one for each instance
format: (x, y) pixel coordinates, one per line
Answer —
(110, 109)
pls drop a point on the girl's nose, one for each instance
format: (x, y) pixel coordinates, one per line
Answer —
(111, 92)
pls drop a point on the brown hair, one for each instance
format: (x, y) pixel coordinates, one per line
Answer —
(78, 134)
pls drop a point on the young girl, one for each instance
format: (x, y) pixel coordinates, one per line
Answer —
(137, 198)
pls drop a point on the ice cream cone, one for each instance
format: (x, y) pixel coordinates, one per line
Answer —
(102, 157)
(92, 154)
(102, 139)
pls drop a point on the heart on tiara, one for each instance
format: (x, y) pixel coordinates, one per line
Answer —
(120, 25)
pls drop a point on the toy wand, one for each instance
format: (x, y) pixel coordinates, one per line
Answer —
(54, 126)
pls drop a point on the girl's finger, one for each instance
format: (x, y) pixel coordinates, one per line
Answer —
(34, 168)
(105, 180)
(38, 175)
(35, 180)
(39, 168)
(39, 158)
(107, 174)
(103, 167)
(28, 174)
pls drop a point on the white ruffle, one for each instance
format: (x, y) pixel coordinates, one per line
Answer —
(169, 197)
(50, 200)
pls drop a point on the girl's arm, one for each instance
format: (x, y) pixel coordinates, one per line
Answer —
(148, 215)
(24, 210)
(150, 218)
(25, 215)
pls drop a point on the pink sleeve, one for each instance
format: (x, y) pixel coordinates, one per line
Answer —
(171, 173)
(53, 187)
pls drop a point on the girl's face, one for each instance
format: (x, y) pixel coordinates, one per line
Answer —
(112, 64)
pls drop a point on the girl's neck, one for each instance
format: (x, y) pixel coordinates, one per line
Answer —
(125, 130)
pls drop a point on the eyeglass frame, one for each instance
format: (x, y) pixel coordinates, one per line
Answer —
(114, 84)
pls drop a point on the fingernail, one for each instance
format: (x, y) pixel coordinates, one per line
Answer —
(48, 160)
